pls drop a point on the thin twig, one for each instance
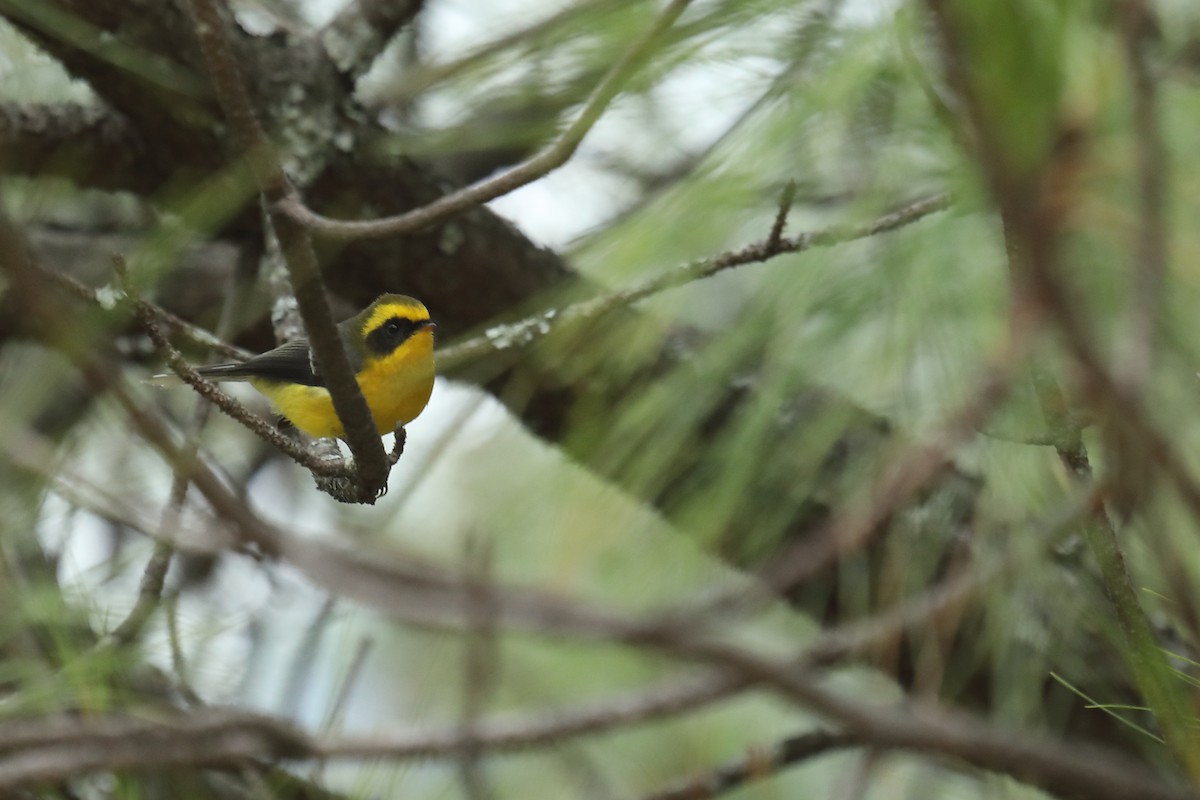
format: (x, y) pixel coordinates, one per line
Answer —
(521, 333)
(35, 751)
(353, 672)
(516, 732)
(213, 393)
(758, 764)
(153, 579)
(105, 298)
(179, 665)
(160, 437)
(155, 575)
(541, 163)
(304, 659)
(807, 40)
(785, 205)
(30, 451)
(337, 709)
(1072, 770)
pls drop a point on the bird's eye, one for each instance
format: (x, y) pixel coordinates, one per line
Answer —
(392, 326)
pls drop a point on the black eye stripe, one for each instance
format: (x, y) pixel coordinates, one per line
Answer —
(391, 333)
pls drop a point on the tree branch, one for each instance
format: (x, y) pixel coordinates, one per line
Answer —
(35, 751)
(360, 32)
(553, 156)
(523, 332)
(759, 764)
(297, 250)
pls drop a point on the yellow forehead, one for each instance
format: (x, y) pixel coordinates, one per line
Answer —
(394, 306)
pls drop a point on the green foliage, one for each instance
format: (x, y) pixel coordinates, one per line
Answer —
(708, 432)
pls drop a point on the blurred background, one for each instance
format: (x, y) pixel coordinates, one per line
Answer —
(963, 412)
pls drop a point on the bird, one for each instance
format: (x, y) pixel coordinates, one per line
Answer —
(389, 345)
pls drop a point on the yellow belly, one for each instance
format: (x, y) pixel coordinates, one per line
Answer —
(396, 389)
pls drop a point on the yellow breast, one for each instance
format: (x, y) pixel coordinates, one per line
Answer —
(396, 388)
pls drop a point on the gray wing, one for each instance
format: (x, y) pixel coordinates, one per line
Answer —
(288, 363)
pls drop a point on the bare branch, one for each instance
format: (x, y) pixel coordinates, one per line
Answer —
(759, 764)
(521, 333)
(785, 205)
(159, 436)
(150, 589)
(333, 718)
(1071, 770)
(154, 577)
(211, 392)
(179, 665)
(35, 751)
(46, 314)
(105, 298)
(553, 156)
(48, 750)
(29, 451)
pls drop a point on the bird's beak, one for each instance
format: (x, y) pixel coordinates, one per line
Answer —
(429, 324)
